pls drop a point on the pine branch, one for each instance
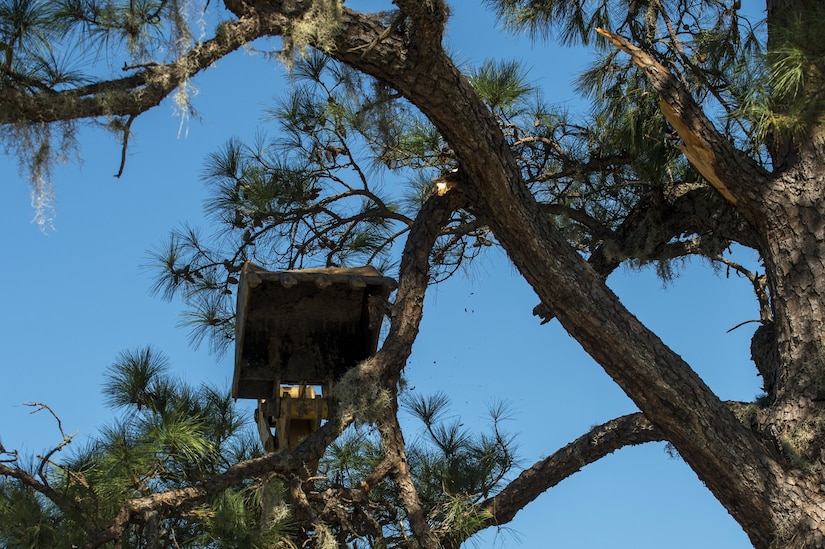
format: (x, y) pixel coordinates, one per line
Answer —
(713, 156)
(601, 441)
(31, 482)
(136, 93)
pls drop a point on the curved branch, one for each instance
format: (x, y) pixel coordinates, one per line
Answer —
(600, 441)
(647, 232)
(667, 213)
(413, 279)
(392, 442)
(137, 93)
(604, 439)
(127, 129)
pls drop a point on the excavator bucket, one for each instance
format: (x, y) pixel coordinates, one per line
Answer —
(301, 330)
(304, 327)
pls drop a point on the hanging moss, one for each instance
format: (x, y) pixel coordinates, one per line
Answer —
(314, 24)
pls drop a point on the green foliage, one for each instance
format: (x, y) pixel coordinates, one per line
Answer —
(143, 27)
(453, 469)
(166, 435)
(786, 95)
(313, 196)
(27, 520)
(568, 22)
(709, 45)
(501, 84)
(453, 462)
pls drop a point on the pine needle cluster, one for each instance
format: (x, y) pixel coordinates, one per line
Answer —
(164, 435)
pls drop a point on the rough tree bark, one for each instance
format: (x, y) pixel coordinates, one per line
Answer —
(768, 474)
(773, 502)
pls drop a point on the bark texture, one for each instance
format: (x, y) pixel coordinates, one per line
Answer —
(764, 464)
(748, 475)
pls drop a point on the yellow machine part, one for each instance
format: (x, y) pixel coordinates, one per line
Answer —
(298, 413)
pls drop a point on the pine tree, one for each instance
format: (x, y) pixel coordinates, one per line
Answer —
(168, 437)
(706, 131)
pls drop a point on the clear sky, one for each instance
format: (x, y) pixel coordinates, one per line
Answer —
(78, 294)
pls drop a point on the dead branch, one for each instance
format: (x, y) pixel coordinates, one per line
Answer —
(67, 439)
(721, 164)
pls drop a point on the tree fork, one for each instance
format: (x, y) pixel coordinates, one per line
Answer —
(675, 400)
(773, 505)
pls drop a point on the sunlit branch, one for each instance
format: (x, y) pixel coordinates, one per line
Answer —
(602, 440)
(713, 156)
(135, 94)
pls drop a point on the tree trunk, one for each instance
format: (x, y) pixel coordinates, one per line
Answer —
(795, 264)
(793, 229)
(747, 475)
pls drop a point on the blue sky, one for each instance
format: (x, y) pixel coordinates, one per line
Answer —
(78, 294)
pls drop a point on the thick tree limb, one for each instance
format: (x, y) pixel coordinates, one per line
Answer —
(668, 213)
(733, 174)
(602, 440)
(137, 93)
(662, 385)
(386, 365)
(384, 369)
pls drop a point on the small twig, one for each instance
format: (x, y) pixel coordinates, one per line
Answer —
(67, 439)
(742, 324)
(12, 453)
(40, 407)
